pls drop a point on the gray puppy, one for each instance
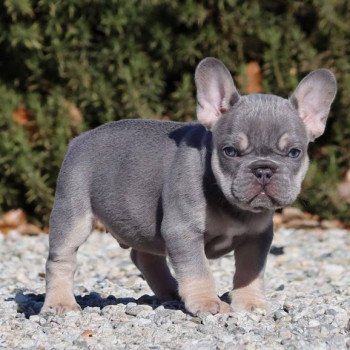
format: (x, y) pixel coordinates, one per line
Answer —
(189, 191)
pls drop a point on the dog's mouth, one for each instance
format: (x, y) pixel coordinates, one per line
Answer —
(261, 201)
(248, 194)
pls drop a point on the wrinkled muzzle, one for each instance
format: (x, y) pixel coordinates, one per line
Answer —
(264, 185)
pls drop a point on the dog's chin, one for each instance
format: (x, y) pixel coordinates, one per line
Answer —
(263, 201)
(259, 203)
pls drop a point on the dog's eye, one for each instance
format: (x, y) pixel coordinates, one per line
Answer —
(294, 153)
(230, 152)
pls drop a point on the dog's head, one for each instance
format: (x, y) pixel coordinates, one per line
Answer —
(259, 155)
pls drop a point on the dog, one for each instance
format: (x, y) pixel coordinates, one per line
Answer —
(189, 191)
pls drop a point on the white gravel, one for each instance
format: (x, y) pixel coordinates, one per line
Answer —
(307, 284)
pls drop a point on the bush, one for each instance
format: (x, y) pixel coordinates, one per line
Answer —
(68, 66)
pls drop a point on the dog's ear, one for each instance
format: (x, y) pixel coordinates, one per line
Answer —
(313, 98)
(216, 91)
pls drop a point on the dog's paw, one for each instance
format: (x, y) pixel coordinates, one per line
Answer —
(60, 309)
(213, 306)
(248, 303)
(251, 306)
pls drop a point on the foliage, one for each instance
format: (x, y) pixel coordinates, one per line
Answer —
(68, 66)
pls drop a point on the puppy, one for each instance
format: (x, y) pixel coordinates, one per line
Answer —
(189, 191)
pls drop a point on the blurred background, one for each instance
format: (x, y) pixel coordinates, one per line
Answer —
(69, 66)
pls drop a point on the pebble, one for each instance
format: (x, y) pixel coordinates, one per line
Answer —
(307, 286)
(279, 314)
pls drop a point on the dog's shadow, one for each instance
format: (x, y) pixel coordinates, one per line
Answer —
(31, 304)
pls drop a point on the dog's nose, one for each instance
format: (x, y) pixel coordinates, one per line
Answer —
(263, 174)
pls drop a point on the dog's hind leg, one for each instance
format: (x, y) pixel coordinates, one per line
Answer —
(69, 228)
(155, 270)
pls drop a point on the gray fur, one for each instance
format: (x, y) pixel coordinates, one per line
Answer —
(166, 188)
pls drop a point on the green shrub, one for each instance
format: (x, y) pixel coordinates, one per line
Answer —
(113, 59)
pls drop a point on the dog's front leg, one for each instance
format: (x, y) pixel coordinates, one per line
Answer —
(195, 280)
(248, 283)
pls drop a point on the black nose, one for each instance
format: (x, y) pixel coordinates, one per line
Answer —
(263, 174)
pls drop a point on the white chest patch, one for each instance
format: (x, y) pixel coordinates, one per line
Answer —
(222, 229)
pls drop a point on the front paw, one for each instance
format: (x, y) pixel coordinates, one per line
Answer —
(245, 301)
(213, 306)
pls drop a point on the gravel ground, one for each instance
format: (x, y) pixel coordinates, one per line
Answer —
(307, 284)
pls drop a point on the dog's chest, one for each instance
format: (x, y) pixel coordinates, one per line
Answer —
(223, 230)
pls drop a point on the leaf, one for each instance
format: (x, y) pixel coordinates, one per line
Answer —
(22, 115)
(88, 333)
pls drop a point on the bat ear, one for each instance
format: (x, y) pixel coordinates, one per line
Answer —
(216, 92)
(313, 98)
